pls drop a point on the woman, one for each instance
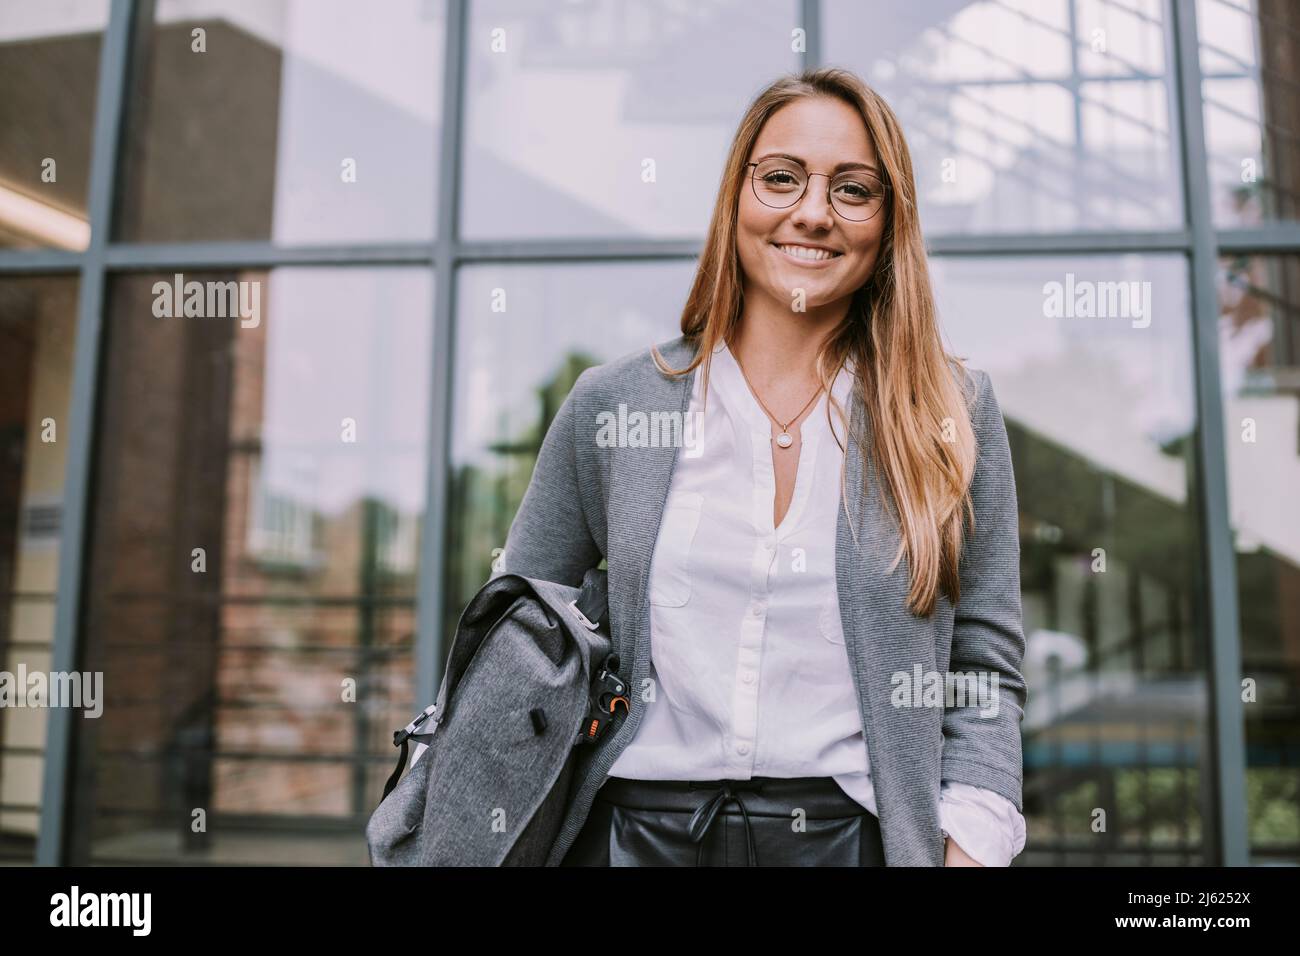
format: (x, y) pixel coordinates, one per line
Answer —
(795, 633)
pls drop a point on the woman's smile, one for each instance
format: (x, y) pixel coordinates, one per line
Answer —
(805, 255)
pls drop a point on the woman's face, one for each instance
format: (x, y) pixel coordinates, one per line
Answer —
(824, 133)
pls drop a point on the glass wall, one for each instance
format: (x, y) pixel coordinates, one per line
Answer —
(49, 68)
(609, 118)
(524, 334)
(325, 113)
(1024, 117)
(1248, 54)
(338, 292)
(1250, 63)
(37, 337)
(1259, 301)
(253, 562)
(1101, 417)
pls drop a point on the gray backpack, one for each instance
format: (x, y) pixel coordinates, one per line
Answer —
(529, 681)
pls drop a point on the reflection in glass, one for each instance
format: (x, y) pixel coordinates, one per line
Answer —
(1095, 384)
(252, 567)
(1021, 117)
(609, 118)
(37, 333)
(49, 71)
(1259, 323)
(299, 121)
(1249, 83)
(523, 336)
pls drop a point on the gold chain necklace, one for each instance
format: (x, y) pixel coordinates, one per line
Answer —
(783, 439)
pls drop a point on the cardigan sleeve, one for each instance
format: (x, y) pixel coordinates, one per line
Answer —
(982, 745)
(550, 538)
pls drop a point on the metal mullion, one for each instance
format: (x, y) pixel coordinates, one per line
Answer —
(160, 754)
(1269, 239)
(810, 15)
(109, 99)
(1007, 244)
(581, 249)
(37, 261)
(142, 649)
(1226, 731)
(430, 641)
(1076, 99)
(131, 257)
(994, 82)
(279, 822)
(310, 602)
(1047, 244)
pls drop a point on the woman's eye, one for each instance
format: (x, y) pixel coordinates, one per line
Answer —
(856, 192)
(779, 179)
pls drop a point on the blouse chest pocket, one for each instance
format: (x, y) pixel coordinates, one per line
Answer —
(670, 569)
(828, 618)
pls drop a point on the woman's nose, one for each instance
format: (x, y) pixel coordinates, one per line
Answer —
(813, 208)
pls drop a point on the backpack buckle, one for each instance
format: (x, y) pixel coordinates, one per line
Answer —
(608, 693)
(577, 611)
(399, 736)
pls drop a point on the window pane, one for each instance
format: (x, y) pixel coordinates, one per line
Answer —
(38, 319)
(263, 674)
(49, 72)
(300, 121)
(609, 118)
(1251, 88)
(1020, 117)
(524, 334)
(1259, 302)
(1099, 405)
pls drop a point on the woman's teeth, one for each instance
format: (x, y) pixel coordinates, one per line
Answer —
(803, 252)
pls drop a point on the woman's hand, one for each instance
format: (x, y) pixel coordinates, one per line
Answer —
(955, 856)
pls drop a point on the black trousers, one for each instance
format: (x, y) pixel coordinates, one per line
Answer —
(764, 821)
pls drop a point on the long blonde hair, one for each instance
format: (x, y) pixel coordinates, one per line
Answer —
(908, 384)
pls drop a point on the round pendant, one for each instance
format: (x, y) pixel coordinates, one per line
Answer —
(784, 440)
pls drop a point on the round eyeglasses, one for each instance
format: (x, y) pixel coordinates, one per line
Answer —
(856, 194)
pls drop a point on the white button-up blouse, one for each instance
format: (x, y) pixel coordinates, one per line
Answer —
(748, 658)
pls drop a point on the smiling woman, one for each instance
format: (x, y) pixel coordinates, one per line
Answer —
(824, 378)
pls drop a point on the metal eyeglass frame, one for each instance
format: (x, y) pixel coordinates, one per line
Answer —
(829, 201)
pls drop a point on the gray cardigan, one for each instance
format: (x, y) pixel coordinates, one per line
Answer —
(586, 501)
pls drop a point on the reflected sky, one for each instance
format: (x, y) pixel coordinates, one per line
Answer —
(552, 311)
(347, 343)
(560, 123)
(1019, 119)
(1108, 392)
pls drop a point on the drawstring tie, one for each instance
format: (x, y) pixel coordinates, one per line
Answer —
(704, 815)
